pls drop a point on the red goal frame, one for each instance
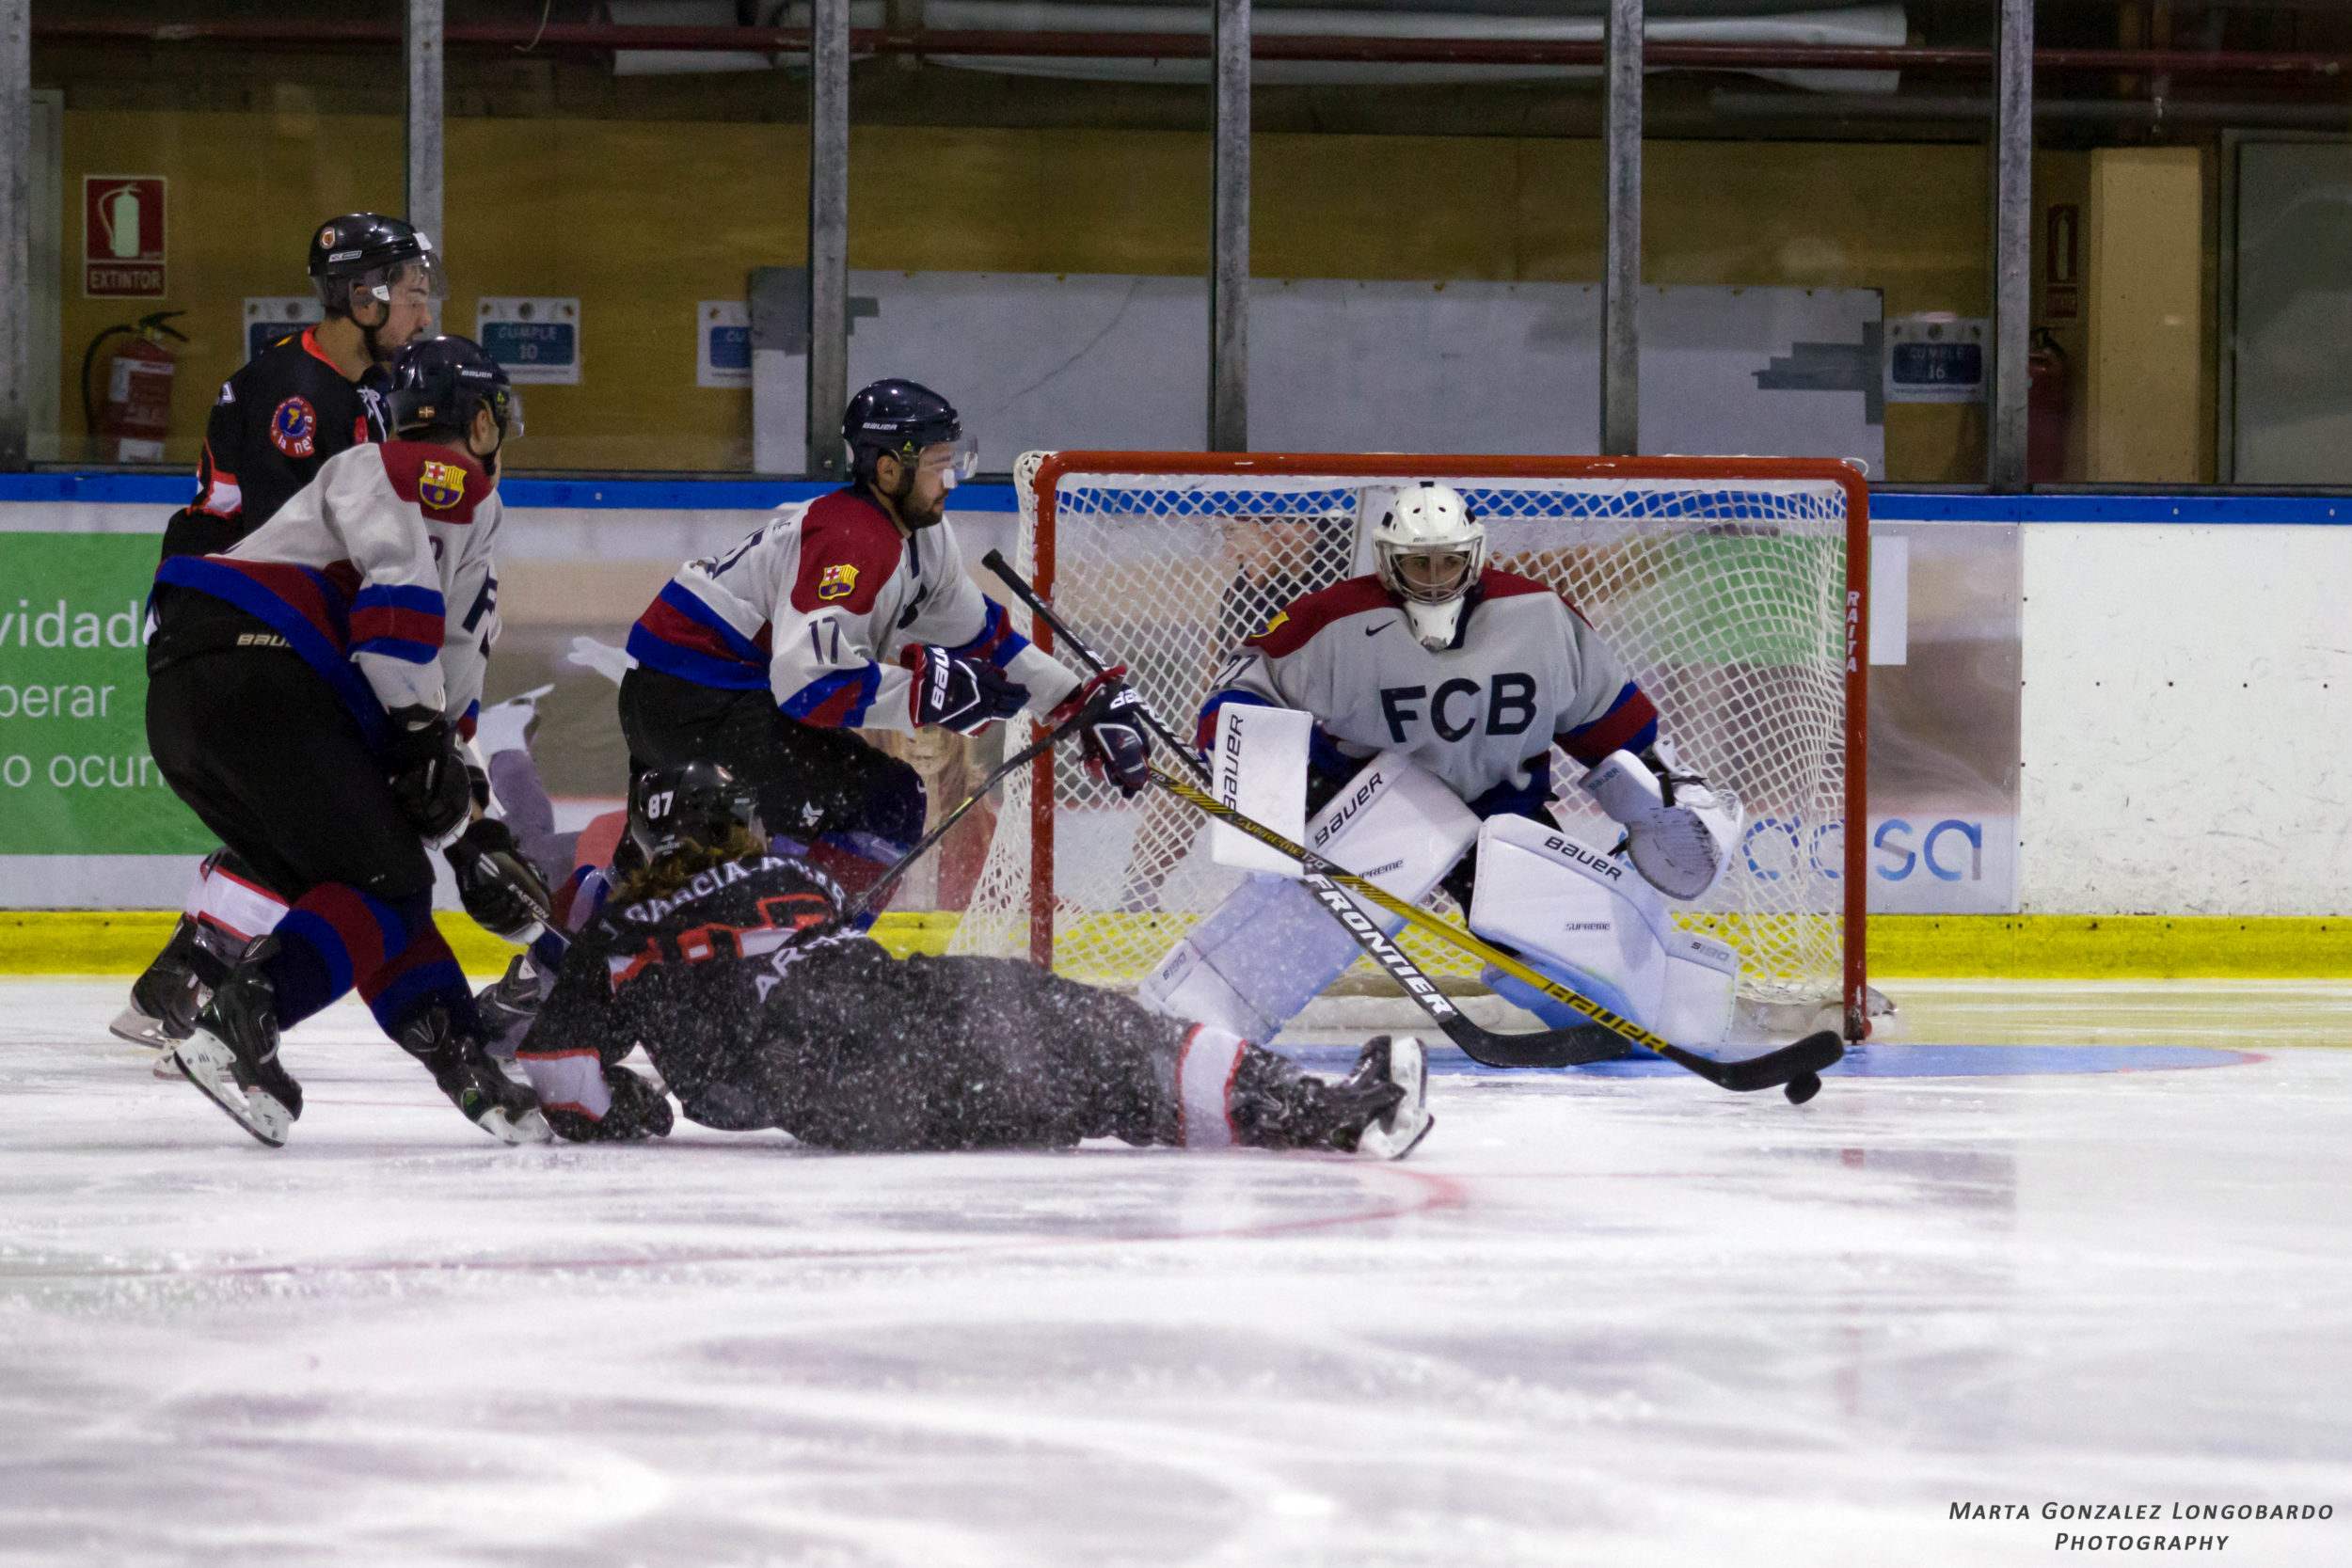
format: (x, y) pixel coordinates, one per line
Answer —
(1853, 874)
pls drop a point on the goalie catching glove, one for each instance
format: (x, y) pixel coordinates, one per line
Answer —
(1677, 831)
(965, 695)
(498, 887)
(1108, 717)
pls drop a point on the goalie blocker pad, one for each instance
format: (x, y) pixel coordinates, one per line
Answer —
(1260, 768)
(1270, 948)
(1583, 918)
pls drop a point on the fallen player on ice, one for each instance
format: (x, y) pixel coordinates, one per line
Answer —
(733, 966)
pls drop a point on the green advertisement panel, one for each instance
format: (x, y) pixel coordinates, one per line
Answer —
(75, 776)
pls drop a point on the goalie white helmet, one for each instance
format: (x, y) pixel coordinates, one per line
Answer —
(1428, 550)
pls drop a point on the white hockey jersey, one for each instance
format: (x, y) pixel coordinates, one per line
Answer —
(1526, 671)
(379, 574)
(817, 606)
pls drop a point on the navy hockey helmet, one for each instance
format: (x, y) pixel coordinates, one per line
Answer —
(689, 805)
(371, 251)
(438, 383)
(905, 419)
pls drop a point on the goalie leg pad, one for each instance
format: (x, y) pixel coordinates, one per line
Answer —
(1270, 949)
(1582, 917)
(1259, 958)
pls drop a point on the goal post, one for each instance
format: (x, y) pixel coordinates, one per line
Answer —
(1735, 589)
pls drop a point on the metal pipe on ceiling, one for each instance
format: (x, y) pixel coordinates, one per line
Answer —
(600, 37)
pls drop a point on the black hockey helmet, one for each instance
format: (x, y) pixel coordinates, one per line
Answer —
(689, 805)
(437, 384)
(905, 418)
(371, 250)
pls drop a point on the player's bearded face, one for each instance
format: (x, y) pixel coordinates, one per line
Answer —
(408, 316)
(924, 484)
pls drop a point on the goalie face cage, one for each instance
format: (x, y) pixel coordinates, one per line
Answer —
(1733, 588)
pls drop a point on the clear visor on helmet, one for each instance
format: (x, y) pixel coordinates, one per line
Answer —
(952, 461)
(514, 404)
(1431, 577)
(418, 280)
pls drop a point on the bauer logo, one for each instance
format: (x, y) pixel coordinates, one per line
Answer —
(441, 485)
(838, 582)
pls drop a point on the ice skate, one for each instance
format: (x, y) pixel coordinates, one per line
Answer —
(506, 1110)
(1403, 1065)
(508, 1004)
(508, 726)
(1380, 1109)
(231, 1051)
(164, 999)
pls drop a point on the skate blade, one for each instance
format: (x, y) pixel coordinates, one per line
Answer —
(207, 1064)
(529, 1128)
(1410, 1122)
(136, 1028)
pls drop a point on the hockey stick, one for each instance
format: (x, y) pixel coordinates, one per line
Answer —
(1794, 1066)
(996, 775)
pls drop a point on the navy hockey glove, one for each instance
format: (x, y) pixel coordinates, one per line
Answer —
(1108, 717)
(638, 1111)
(428, 770)
(961, 694)
(497, 886)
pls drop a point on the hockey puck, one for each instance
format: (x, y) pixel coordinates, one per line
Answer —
(1803, 1087)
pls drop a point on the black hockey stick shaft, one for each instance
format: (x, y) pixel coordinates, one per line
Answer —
(922, 845)
(1555, 1047)
(1772, 1069)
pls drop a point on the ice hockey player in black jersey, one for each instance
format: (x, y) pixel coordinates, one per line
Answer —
(299, 401)
(312, 393)
(760, 1008)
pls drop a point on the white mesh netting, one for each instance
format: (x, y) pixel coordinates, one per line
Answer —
(1726, 596)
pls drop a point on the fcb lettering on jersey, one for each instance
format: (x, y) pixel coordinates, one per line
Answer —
(1527, 671)
(837, 581)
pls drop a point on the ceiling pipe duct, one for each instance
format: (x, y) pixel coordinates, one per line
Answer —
(1734, 106)
(1276, 32)
(604, 37)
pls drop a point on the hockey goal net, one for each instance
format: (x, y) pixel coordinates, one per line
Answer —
(1733, 588)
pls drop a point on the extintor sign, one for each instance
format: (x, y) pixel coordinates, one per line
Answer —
(122, 236)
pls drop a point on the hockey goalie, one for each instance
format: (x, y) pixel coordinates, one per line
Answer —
(1402, 724)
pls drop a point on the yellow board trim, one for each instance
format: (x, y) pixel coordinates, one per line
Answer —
(2019, 947)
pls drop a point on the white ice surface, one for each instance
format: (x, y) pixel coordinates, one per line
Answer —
(1607, 1321)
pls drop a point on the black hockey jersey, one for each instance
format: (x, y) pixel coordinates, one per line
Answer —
(697, 975)
(760, 1008)
(275, 422)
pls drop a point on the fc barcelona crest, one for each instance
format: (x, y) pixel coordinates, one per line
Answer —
(838, 582)
(441, 485)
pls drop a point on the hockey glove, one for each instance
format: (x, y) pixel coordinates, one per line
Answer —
(961, 694)
(1108, 717)
(428, 770)
(1678, 831)
(497, 886)
(638, 1111)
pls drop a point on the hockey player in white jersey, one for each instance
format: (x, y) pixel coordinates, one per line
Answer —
(853, 612)
(1401, 723)
(309, 691)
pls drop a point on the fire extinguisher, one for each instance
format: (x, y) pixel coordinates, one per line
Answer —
(2048, 407)
(137, 416)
